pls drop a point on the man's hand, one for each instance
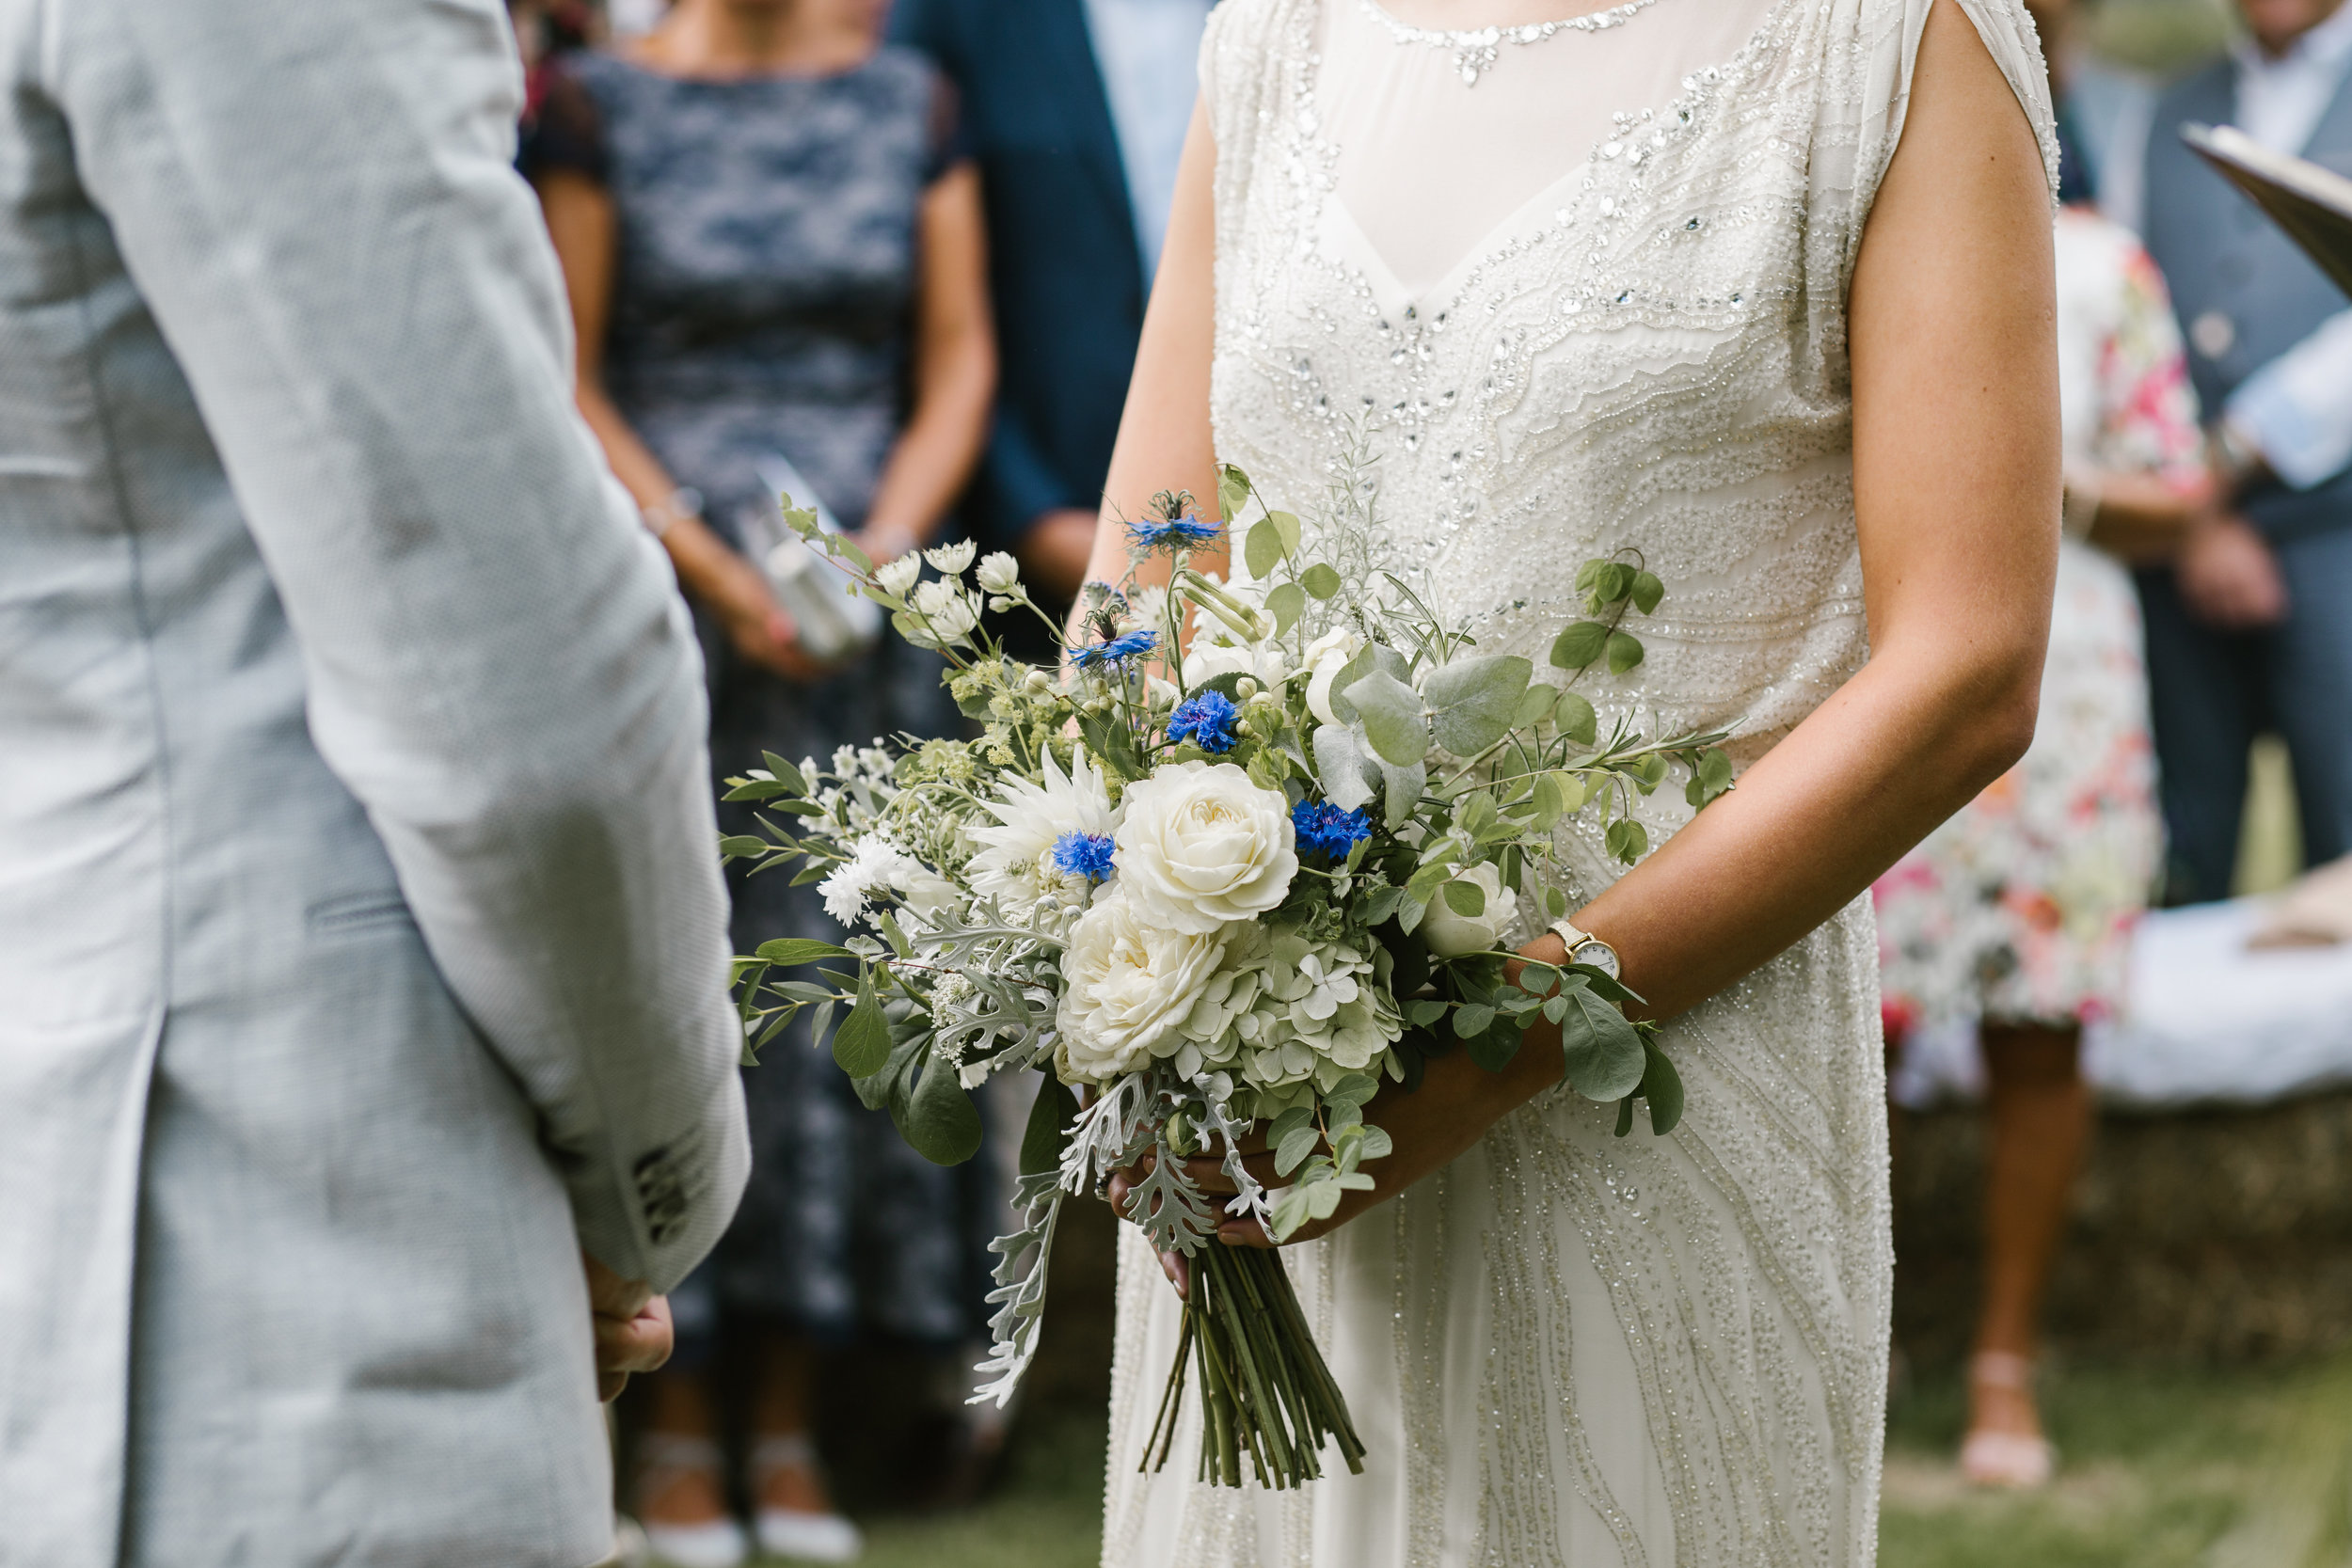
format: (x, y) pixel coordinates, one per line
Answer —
(2229, 578)
(632, 1327)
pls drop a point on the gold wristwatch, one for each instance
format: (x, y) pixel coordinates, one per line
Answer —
(1586, 948)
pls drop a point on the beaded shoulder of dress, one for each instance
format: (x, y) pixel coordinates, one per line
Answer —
(1658, 363)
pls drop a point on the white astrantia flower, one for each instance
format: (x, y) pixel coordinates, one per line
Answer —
(999, 573)
(1199, 844)
(1015, 862)
(951, 559)
(1282, 1010)
(1449, 935)
(874, 864)
(1130, 981)
(948, 610)
(1325, 657)
(899, 576)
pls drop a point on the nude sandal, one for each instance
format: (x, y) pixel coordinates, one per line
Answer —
(2007, 1460)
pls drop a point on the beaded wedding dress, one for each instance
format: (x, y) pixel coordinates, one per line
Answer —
(1567, 1347)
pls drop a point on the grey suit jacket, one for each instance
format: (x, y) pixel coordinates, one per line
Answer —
(361, 946)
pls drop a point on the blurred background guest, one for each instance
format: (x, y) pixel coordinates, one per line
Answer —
(1076, 110)
(773, 241)
(2018, 913)
(2250, 630)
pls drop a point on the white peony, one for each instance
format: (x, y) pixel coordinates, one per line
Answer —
(1451, 935)
(1015, 865)
(1325, 657)
(1199, 845)
(952, 559)
(999, 573)
(1129, 982)
(947, 608)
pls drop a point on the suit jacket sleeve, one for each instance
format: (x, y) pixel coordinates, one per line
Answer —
(317, 203)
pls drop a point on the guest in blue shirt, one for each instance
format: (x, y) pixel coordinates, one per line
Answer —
(1076, 110)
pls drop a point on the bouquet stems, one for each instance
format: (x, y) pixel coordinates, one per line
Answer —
(1265, 1390)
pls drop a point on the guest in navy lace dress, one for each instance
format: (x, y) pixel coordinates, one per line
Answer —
(773, 245)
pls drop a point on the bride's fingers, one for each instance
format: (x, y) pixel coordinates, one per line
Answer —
(1208, 1170)
(1178, 1273)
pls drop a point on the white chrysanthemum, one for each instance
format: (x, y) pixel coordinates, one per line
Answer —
(1015, 864)
(873, 865)
(1131, 981)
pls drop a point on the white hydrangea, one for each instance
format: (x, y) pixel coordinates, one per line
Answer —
(1284, 1010)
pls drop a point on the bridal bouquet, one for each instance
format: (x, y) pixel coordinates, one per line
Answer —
(1253, 849)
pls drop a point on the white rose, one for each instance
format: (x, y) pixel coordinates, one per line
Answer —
(947, 608)
(1199, 844)
(999, 573)
(1325, 657)
(1130, 981)
(1451, 935)
(952, 559)
(899, 576)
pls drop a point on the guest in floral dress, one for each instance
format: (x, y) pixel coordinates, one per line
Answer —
(773, 247)
(2017, 915)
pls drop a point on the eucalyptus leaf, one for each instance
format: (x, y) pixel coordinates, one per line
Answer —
(1466, 898)
(1233, 489)
(1285, 524)
(1661, 1086)
(1391, 716)
(1472, 1019)
(1625, 651)
(1601, 1052)
(1472, 702)
(1536, 706)
(1261, 551)
(1403, 786)
(1647, 590)
(1286, 603)
(1320, 581)
(1343, 763)
(1579, 645)
(1378, 1145)
(1291, 1151)
(1575, 720)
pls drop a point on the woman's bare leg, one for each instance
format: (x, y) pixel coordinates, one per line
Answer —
(2040, 1111)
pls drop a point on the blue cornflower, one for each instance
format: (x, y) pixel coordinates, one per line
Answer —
(1206, 720)
(1087, 855)
(1115, 650)
(1183, 533)
(1324, 830)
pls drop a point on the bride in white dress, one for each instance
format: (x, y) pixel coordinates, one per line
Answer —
(1761, 288)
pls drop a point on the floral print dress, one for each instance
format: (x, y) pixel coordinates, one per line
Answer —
(2021, 908)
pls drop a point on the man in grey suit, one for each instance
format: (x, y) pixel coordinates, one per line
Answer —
(361, 945)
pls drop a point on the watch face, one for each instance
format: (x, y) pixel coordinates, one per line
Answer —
(1600, 955)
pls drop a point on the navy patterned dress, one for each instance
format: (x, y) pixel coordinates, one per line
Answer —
(763, 304)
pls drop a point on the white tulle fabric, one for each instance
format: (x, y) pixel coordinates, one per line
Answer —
(1569, 1348)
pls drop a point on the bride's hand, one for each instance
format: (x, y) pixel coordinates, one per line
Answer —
(1456, 1102)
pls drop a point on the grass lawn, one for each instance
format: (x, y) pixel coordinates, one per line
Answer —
(2159, 1469)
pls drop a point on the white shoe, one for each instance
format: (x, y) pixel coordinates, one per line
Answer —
(718, 1543)
(791, 1532)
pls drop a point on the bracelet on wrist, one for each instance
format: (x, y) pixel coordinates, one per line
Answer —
(671, 510)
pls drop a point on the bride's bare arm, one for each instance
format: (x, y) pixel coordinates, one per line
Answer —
(1956, 495)
(1164, 441)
